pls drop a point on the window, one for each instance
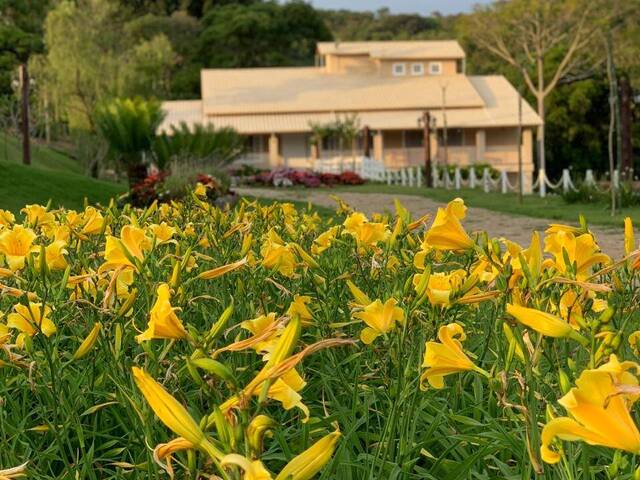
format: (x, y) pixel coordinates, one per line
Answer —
(435, 68)
(455, 137)
(399, 69)
(417, 69)
(413, 138)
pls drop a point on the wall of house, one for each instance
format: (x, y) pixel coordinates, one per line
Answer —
(385, 67)
(294, 150)
(348, 64)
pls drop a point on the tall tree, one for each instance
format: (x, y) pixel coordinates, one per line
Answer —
(20, 38)
(92, 57)
(543, 40)
(261, 34)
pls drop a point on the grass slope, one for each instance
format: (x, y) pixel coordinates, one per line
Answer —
(21, 185)
(41, 156)
(552, 207)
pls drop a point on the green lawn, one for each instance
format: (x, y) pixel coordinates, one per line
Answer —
(21, 185)
(553, 207)
(41, 156)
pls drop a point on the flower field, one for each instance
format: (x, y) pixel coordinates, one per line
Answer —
(268, 342)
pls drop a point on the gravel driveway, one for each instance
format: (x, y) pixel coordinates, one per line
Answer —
(515, 227)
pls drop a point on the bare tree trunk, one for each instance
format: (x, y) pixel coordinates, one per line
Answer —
(626, 121)
(26, 140)
(541, 146)
(613, 93)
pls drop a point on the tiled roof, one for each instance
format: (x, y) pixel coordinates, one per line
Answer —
(410, 49)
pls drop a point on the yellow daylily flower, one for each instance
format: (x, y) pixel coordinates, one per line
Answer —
(172, 413)
(16, 244)
(581, 250)
(312, 460)
(6, 218)
(265, 330)
(162, 232)
(599, 406)
(92, 221)
(545, 323)
(276, 255)
(164, 452)
(299, 307)
(380, 319)
(531, 255)
(119, 252)
(54, 255)
(441, 286)
(367, 234)
(31, 319)
(5, 335)
(37, 215)
(253, 469)
(324, 241)
(446, 232)
(285, 390)
(446, 356)
(163, 321)
(629, 241)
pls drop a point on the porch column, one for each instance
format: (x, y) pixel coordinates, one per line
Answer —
(527, 147)
(274, 151)
(434, 146)
(481, 145)
(378, 146)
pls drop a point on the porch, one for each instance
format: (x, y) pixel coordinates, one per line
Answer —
(396, 149)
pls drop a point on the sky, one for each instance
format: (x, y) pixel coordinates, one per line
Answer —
(402, 6)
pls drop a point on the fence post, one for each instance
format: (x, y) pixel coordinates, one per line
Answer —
(485, 180)
(388, 172)
(419, 176)
(403, 177)
(410, 175)
(543, 185)
(472, 177)
(457, 178)
(434, 176)
(616, 179)
(503, 181)
(566, 180)
(589, 179)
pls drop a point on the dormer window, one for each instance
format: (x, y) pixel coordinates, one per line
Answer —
(435, 68)
(417, 69)
(399, 69)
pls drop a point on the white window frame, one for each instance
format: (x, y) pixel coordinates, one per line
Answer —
(402, 69)
(417, 69)
(435, 68)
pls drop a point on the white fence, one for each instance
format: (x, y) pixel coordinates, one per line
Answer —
(375, 170)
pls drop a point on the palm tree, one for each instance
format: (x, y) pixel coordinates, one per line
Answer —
(129, 127)
(204, 145)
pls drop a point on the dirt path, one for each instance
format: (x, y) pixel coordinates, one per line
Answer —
(513, 227)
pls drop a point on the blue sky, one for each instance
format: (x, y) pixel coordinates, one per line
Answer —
(402, 6)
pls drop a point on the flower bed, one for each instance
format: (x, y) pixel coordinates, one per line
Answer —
(265, 342)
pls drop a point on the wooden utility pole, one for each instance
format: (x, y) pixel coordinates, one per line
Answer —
(26, 141)
(426, 141)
